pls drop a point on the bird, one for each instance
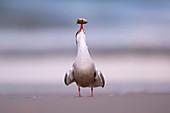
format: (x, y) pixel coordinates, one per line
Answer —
(83, 71)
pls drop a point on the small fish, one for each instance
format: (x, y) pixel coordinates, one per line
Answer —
(81, 21)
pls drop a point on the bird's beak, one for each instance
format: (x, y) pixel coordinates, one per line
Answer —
(81, 27)
(81, 21)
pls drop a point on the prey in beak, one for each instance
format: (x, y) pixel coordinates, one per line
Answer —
(81, 21)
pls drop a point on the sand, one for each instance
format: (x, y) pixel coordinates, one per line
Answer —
(100, 103)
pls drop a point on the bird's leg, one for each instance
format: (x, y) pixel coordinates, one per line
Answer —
(91, 91)
(79, 91)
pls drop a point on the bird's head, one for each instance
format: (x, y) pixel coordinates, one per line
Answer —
(80, 33)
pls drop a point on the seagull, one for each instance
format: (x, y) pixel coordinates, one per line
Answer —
(83, 70)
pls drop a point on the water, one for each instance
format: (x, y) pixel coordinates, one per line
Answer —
(123, 73)
(51, 25)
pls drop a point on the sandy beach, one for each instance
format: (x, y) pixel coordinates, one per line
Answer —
(101, 103)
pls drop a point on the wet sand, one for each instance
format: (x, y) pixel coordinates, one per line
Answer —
(100, 103)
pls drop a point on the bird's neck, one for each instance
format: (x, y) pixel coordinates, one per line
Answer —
(82, 49)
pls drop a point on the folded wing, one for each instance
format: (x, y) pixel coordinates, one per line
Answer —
(69, 77)
(99, 79)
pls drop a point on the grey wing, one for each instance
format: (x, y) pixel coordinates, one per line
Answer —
(69, 77)
(99, 79)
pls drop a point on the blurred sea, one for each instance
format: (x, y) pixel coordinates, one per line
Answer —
(51, 25)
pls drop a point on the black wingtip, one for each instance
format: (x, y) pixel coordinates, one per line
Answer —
(102, 80)
(65, 79)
